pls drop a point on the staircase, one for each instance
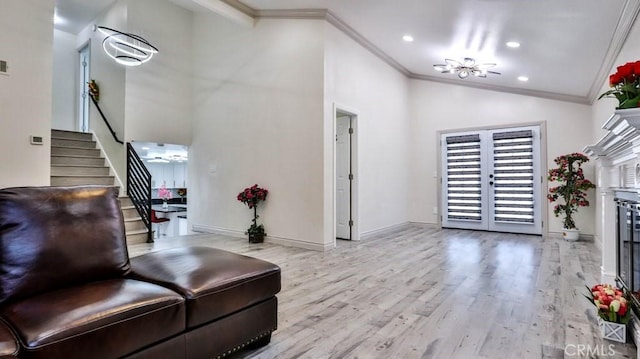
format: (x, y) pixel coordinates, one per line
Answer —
(76, 160)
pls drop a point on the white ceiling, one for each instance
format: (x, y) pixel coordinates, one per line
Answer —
(74, 15)
(567, 47)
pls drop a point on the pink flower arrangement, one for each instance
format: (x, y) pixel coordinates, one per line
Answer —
(164, 193)
(612, 303)
(251, 196)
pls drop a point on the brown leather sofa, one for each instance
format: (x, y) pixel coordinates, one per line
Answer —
(69, 290)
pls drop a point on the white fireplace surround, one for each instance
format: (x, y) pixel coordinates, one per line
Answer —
(617, 157)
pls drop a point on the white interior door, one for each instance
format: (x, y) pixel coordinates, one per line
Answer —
(492, 180)
(343, 170)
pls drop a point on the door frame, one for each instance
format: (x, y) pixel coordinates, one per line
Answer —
(342, 110)
(544, 188)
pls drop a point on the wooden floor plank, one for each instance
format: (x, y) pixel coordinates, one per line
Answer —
(420, 292)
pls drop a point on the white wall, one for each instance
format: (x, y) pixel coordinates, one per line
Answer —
(356, 78)
(65, 76)
(26, 35)
(111, 79)
(439, 107)
(158, 93)
(258, 118)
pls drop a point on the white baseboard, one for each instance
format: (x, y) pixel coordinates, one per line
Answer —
(218, 230)
(269, 238)
(383, 229)
(426, 225)
(299, 244)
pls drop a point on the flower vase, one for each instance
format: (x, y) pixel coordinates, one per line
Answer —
(616, 332)
(165, 204)
(570, 235)
(256, 237)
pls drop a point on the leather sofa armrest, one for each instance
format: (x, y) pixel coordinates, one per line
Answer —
(9, 346)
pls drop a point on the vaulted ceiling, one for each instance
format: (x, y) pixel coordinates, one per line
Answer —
(566, 47)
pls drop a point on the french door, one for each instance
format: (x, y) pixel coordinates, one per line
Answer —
(491, 180)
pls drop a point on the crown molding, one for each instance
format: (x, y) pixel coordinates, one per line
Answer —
(516, 91)
(623, 28)
(242, 7)
(627, 18)
(357, 37)
(308, 14)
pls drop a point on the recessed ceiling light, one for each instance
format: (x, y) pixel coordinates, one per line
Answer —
(145, 148)
(513, 44)
(407, 38)
(523, 78)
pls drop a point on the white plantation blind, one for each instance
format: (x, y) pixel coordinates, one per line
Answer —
(513, 181)
(464, 194)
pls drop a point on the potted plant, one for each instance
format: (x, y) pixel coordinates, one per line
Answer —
(251, 196)
(572, 190)
(613, 311)
(625, 84)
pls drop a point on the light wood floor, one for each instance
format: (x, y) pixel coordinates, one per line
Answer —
(419, 292)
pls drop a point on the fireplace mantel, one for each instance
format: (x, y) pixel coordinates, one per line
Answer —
(622, 141)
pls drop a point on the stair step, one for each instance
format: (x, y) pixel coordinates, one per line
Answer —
(68, 142)
(82, 180)
(136, 237)
(75, 151)
(77, 160)
(125, 201)
(129, 212)
(134, 224)
(74, 170)
(71, 135)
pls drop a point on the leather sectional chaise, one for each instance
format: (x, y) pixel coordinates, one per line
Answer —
(68, 288)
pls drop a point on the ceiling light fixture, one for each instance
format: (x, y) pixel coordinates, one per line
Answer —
(158, 160)
(465, 68)
(513, 44)
(407, 38)
(523, 78)
(125, 48)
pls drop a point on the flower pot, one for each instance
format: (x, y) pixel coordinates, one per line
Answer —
(613, 331)
(570, 235)
(256, 237)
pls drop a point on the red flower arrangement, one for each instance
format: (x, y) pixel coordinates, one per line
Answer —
(573, 188)
(625, 85)
(612, 303)
(251, 196)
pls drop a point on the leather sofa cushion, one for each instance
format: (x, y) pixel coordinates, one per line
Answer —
(106, 319)
(51, 237)
(215, 283)
(8, 342)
